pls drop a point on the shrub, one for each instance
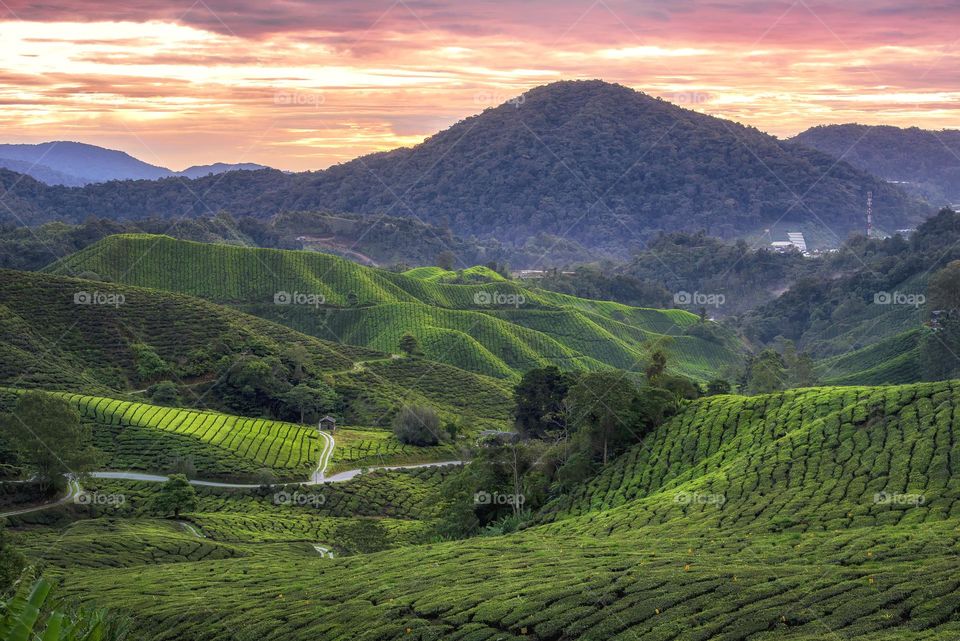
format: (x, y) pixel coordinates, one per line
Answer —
(417, 425)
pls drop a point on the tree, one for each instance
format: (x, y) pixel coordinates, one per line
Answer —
(538, 400)
(656, 367)
(944, 288)
(766, 373)
(452, 428)
(45, 431)
(149, 364)
(313, 400)
(417, 425)
(176, 496)
(298, 356)
(446, 260)
(799, 367)
(940, 348)
(164, 393)
(409, 344)
(718, 386)
(601, 405)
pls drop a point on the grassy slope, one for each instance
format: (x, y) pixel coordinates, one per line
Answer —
(799, 547)
(373, 308)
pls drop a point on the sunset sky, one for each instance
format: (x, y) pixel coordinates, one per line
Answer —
(303, 85)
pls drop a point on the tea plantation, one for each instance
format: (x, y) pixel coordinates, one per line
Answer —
(498, 328)
(821, 513)
(49, 341)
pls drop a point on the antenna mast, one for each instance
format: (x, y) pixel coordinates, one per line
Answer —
(869, 214)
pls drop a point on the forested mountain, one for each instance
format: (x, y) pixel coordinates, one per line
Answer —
(590, 161)
(926, 163)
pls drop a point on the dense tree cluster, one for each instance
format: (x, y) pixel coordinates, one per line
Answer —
(594, 162)
(845, 286)
(926, 163)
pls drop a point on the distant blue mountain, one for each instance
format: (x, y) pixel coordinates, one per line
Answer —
(75, 164)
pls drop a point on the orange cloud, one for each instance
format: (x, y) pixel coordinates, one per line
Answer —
(302, 85)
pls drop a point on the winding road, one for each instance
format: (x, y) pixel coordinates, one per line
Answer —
(318, 477)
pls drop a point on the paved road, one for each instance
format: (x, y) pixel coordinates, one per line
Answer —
(73, 489)
(317, 478)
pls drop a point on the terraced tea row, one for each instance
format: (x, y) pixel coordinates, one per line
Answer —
(820, 458)
(501, 328)
(559, 587)
(216, 444)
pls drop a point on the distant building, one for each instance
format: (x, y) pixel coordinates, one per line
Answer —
(797, 242)
(328, 423)
(796, 237)
(532, 274)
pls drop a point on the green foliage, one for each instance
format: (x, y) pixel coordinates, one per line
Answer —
(417, 425)
(766, 373)
(311, 402)
(176, 496)
(140, 436)
(28, 616)
(601, 405)
(718, 386)
(853, 307)
(921, 162)
(539, 399)
(148, 363)
(46, 432)
(164, 393)
(409, 344)
(11, 562)
(722, 520)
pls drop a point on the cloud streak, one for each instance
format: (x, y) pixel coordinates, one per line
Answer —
(301, 85)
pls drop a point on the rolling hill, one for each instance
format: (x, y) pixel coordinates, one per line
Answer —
(498, 328)
(587, 161)
(124, 339)
(812, 514)
(925, 163)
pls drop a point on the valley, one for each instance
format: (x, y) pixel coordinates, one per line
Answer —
(479, 321)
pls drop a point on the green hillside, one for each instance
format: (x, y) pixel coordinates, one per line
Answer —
(49, 341)
(811, 514)
(890, 361)
(138, 436)
(501, 328)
